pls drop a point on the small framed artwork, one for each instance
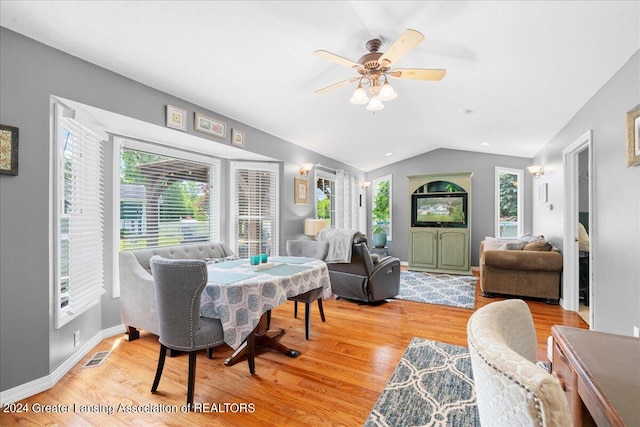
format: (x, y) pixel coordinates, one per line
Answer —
(211, 126)
(237, 138)
(176, 118)
(8, 150)
(301, 191)
(633, 136)
(542, 193)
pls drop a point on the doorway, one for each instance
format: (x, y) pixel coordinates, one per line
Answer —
(578, 282)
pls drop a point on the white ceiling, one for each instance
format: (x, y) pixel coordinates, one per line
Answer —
(517, 71)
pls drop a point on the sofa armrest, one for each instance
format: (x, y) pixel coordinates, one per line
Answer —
(137, 295)
(522, 260)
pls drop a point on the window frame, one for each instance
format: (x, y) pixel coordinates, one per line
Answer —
(327, 176)
(274, 169)
(121, 142)
(92, 290)
(374, 190)
(520, 200)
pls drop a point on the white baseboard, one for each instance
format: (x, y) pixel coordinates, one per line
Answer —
(45, 383)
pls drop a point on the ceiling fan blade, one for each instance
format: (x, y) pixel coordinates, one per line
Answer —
(337, 85)
(418, 74)
(407, 41)
(336, 58)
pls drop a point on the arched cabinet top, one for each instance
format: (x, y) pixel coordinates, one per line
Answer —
(439, 186)
(440, 183)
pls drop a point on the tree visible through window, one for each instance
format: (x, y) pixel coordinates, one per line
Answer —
(381, 206)
(509, 202)
(164, 201)
(325, 199)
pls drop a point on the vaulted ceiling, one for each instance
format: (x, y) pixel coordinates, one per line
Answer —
(517, 71)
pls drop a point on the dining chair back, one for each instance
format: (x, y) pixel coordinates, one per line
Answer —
(178, 287)
(309, 249)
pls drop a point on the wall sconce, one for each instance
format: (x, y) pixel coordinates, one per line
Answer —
(305, 168)
(313, 226)
(363, 186)
(536, 171)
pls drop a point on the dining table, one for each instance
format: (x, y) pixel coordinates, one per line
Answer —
(242, 296)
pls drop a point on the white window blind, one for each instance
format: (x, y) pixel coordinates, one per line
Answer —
(254, 214)
(166, 199)
(79, 218)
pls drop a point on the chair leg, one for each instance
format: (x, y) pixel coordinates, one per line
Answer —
(268, 319)
(192, 378)
(307, 319)
(321, 309)
(295, 309)
(163, 355)
(210, 353)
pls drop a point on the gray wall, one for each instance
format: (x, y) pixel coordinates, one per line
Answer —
(615, 233)
(30, 347)
(449, 161)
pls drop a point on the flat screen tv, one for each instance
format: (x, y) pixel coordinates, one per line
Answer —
(439, 210)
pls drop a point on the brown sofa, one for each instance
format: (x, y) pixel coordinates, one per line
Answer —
(521, 272)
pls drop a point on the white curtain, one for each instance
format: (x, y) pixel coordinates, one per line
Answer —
(347, 201)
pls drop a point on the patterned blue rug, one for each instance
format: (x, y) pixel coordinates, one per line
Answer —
(442, 289)
(431, 386)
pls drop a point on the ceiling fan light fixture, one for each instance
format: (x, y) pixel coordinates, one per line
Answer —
(386, 92)
(375, 104)
(359, 96)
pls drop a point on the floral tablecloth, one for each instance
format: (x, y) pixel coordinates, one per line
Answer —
(239, 294)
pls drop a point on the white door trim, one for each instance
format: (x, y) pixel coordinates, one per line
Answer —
(570, 278)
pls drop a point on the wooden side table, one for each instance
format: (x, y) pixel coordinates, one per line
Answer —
(599, 373)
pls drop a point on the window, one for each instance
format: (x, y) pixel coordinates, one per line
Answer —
(509, 202)
(167, 197)
(254, 208)
(326, 197)
(78, 194)
(381, 218)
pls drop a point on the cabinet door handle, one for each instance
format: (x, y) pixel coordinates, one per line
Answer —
(560, 380)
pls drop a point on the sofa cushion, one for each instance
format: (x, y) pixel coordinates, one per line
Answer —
(492, 243)
(205, 251)
(529, 238)
(541, 246)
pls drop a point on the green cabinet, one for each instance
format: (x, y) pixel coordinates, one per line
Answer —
(444, 250)
(441, 248)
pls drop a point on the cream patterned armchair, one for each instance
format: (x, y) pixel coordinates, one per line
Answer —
(511, 389)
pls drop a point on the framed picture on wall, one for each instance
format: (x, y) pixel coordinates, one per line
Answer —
(8, 150)
(208, 125)
(633, 136)
(300, 191)
(237, 138)
(176, 118)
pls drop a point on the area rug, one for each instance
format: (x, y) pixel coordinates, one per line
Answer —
(442, 289)
(431, 386)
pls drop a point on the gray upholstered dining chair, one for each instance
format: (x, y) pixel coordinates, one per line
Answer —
(511, 389)
(310, 249)
(178, 286)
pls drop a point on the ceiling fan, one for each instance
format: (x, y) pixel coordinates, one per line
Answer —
(374, 69)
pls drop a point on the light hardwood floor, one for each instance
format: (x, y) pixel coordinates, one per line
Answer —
(335, 381)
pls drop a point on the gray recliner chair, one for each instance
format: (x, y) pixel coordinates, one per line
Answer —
(309, 249)
(363, 279)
